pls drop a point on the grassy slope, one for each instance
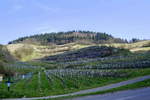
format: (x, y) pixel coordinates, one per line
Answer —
(145, 83)
(26, 52)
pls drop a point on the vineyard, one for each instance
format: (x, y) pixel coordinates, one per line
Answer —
(85, 70)
(44, 82)
(61, 81)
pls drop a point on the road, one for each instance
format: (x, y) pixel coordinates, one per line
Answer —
(138, 94)
(138, 79)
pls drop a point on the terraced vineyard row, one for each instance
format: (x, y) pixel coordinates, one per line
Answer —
(119, 65)
(119, 62)
(86, 73)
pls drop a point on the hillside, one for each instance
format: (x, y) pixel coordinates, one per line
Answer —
(26, 52)
(74, 66)
(60, 38)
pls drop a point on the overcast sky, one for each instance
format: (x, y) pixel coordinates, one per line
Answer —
(121, 18)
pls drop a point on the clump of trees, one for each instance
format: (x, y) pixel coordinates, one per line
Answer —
(134, 40)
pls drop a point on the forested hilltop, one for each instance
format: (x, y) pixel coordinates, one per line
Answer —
(60, 38)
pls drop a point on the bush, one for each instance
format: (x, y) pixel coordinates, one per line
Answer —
(2, 70)
(11, 94)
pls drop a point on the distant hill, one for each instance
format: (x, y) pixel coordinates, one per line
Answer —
(49, 44)
(60, 38)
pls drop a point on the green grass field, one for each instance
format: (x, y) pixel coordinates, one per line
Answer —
(137, 85)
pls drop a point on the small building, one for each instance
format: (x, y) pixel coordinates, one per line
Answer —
(1, 77)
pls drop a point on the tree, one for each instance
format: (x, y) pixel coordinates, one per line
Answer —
(135, 40)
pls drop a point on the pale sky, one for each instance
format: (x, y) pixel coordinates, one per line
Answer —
(120, 18)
